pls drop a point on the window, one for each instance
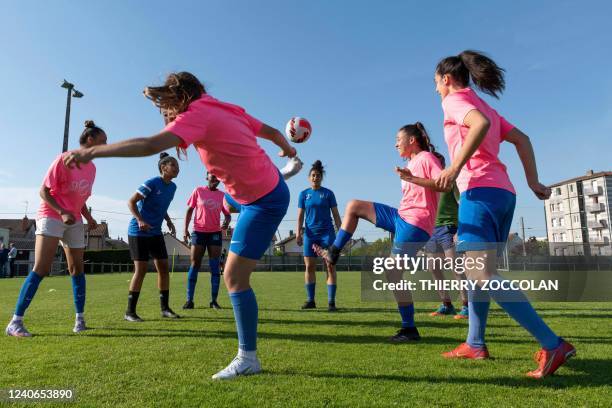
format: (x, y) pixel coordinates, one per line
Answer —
(560, 206)
(552, 207)
(563, 237)
(571, 188)
(558, 191)
(554, 222)
(562, 222)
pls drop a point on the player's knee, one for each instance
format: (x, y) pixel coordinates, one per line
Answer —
(352, 207)
(75, 270)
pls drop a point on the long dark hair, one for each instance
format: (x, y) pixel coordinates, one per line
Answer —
(174, 96)
(91, 130)
(474, 65)
(418, 131)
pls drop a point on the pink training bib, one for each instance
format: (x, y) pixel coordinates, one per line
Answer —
(69, 187)
(225, 137)
(208, 207)
(419, 205)
(483, 169)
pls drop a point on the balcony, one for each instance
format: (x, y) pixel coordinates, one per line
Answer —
(597, 224)
(599, 241)
(590, 191)
(594, 208)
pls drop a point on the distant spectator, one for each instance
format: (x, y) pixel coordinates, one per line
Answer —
(3, 261)
(11, 258)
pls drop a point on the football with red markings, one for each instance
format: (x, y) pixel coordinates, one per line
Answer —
(298, 129)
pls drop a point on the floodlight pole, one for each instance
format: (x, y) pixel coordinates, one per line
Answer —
(71, 92)
(67, 123)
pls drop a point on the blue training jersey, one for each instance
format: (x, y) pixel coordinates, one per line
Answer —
(317, 205)
(153, 208)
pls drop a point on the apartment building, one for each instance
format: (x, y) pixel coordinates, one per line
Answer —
(578, 216)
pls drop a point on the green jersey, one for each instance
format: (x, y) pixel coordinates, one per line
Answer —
(448, 208)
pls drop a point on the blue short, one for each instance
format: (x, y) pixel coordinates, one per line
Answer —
(258, 222)
(408, 238)
(485, 218)
(206, 238)
(441, 240)
(233, 203)
(324, 240)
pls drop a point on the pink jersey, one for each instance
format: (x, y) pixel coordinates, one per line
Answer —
(69, 187)
(419, 205)
(208, 206)
(483, 169)
(225, 138)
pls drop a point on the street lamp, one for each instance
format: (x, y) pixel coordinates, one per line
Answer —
(71, 93)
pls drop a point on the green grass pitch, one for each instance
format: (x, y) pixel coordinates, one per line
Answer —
(310, 358)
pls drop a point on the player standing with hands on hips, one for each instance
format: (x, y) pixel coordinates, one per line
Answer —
(207, 204)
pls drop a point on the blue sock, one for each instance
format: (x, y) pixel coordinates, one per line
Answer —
(407, 313)
(215, 278)
(478, 307)
(342, 238)
(28, 290)
(245, 313)
(331, 293)
(310, 291)
(192, 278)
(516, 304)
(78, 291)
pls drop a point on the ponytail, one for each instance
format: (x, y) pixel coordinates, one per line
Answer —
(91, 130)
(317, 166)
(422, 137)
(164, 158)
(482, 70)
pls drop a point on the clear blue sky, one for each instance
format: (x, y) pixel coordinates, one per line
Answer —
(357, 70)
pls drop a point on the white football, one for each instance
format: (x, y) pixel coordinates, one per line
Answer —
(298, 130)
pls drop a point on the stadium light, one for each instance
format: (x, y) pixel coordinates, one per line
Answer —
(71, 93)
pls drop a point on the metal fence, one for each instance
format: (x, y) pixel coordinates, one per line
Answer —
(288, 263)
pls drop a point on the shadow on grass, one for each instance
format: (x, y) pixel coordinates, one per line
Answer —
(318, 320)
(577, 372)
(382, 339)
(563, 315)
